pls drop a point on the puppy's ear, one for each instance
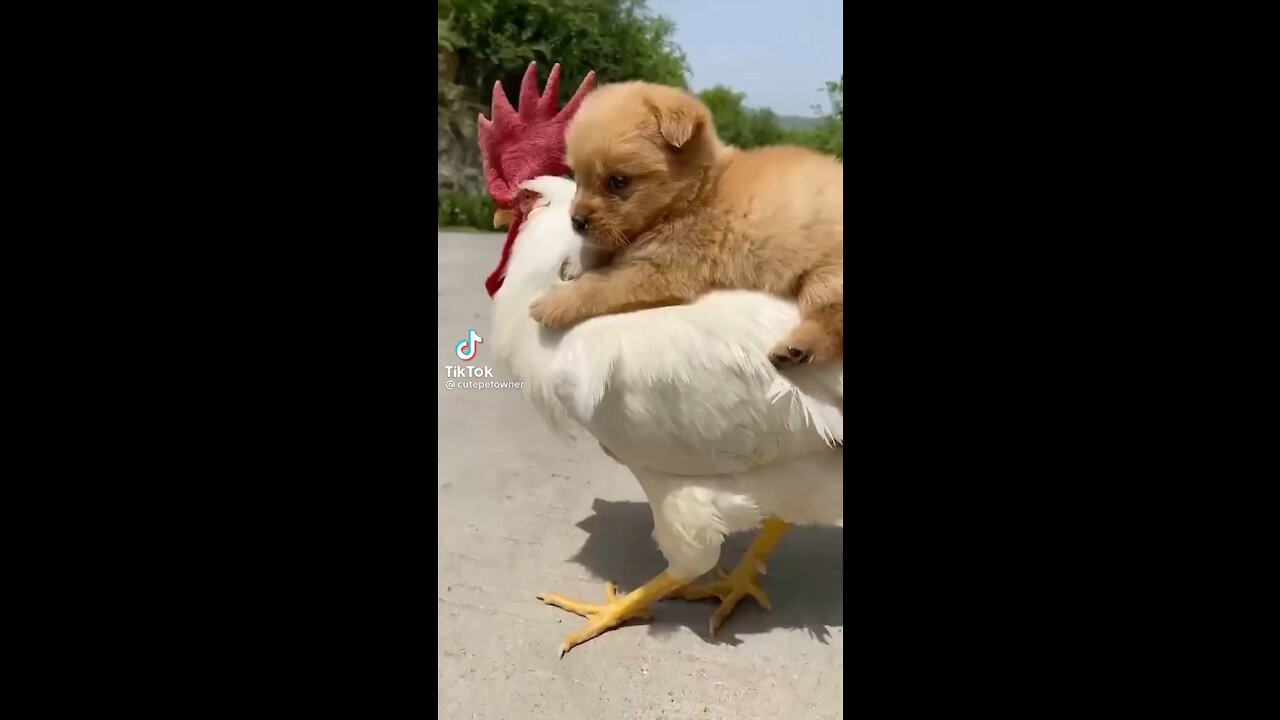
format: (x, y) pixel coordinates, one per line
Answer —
(680, 117)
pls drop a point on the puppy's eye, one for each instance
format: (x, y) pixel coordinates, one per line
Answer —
(617, 182)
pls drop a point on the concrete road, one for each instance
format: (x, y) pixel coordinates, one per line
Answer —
(523, 512)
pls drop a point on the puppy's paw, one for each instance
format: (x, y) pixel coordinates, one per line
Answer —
(784, 356)
(555, 310)
(570, 270)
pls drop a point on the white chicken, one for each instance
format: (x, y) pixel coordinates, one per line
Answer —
(684, 396)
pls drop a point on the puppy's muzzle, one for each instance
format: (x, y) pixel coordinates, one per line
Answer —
(579, 224)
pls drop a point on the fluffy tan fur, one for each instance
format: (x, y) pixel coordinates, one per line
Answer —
(684, 213)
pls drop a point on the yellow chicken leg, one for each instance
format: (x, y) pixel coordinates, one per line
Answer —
(615, 611)
(732, 587)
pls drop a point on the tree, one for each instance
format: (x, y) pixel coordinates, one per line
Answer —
(457, 156)
(618, 39)
(828, 136)
(831, 131)
(835, 91)
(486, 40)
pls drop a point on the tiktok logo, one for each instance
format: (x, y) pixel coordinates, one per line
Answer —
(466, 349)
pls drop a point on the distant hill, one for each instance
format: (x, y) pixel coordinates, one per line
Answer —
(797, 122)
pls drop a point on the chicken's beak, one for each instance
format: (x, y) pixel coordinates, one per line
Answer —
(501, 218)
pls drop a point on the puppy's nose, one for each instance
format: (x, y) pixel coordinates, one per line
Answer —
(579, 223)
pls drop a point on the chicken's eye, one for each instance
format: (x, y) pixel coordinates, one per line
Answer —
(617, 182)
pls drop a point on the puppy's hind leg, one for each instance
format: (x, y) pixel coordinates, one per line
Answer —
(820, 335)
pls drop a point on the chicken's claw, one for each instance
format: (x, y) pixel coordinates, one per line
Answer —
(616, 610)
(730, 589)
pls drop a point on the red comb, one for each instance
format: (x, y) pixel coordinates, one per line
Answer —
(519, 145)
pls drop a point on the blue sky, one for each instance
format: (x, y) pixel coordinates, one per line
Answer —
(778, 52)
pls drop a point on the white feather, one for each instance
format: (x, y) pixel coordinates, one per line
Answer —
(684, 396)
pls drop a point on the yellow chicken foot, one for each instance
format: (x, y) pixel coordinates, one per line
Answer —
(615, 611)
(732, 587)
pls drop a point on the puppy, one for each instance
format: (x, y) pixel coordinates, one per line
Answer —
(683, 213)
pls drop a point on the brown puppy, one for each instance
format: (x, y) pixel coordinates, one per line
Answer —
(685, 213)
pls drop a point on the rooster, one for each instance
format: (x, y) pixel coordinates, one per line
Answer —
(684, 396)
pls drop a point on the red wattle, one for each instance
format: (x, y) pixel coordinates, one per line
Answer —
(494, 281)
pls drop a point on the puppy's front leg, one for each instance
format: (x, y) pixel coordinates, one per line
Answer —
(633, 286)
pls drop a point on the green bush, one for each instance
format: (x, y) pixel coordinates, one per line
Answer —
(464, 210)
(827, 138)
(737, 125)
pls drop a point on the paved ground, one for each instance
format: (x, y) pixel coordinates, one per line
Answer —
(522, 512)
